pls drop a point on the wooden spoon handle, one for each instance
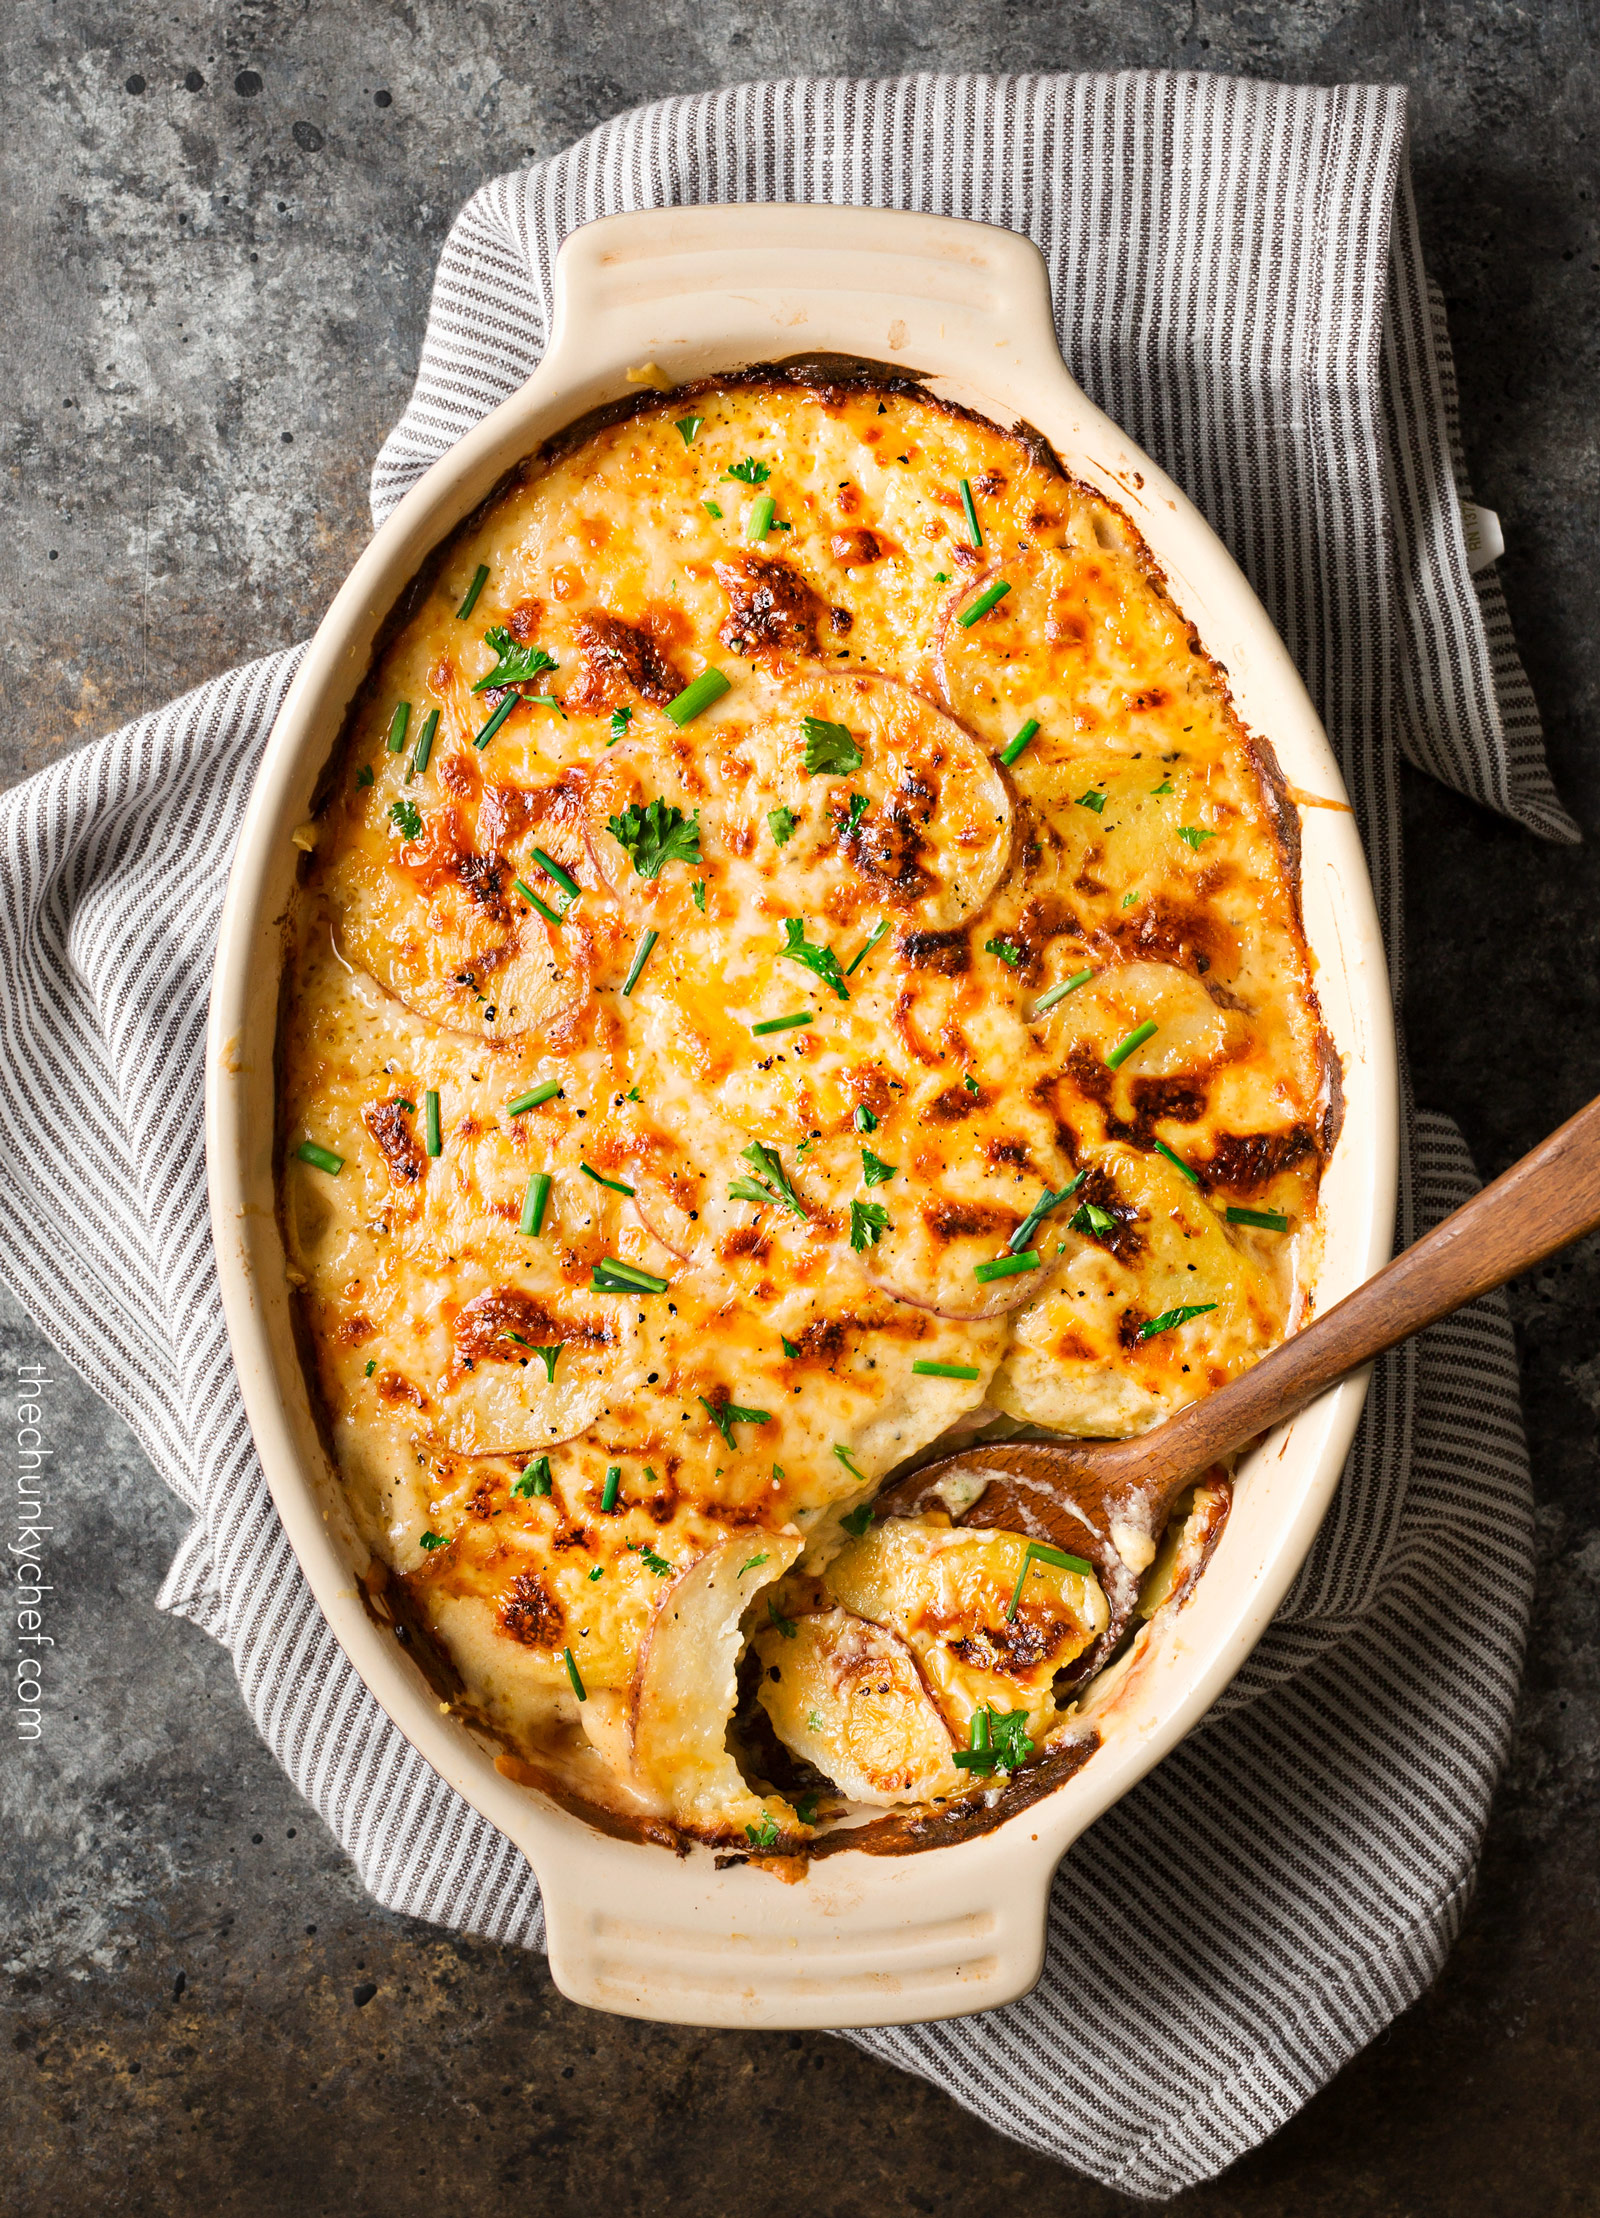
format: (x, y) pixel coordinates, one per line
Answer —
(1549, 1199)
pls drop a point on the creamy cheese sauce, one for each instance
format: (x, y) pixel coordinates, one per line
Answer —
(687, 1071)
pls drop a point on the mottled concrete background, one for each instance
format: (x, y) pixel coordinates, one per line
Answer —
(218, 226)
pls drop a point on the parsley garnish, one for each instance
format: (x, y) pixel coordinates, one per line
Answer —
(785, 1625)
(1193, 836)
(1007, 950)
(772, 1185)
(1090, 1218)
(1171, 1317)
(829, 748)
(998, 1741)
(764, 1835)
(791, 1348)
(1166, 786)
(620, 720)
(971, 1084)
(858, 809)
(518, 665)
(751, 1563)
(548, 1356)
(874, 1170)
(856, 1523)
(698, 889)
(430, 1541)
(812, 956)
(749, 471)
(869, 1221)
(725, 1415)
(364, 775)
(1093, 799)
(781, 824)
(686, 427)
(536, 1479)
(405, 815)
(865, 1121)
(655, 836)
(806, 1811)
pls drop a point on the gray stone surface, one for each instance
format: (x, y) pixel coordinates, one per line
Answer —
(218, 230)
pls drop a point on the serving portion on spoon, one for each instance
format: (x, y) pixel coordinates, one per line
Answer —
(1107, 1502)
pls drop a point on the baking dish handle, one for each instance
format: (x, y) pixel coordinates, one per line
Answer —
(633, 290)
(855, 1940)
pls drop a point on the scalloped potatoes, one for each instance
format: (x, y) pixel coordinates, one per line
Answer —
(803, 978)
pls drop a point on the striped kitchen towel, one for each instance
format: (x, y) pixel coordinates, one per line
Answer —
(1237, 279)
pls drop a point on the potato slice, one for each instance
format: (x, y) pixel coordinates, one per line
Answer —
(947, 1592)
(1074, 1363)
(685, 1691)
(847, 1697)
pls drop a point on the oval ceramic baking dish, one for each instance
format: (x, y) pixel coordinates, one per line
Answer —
(861, 1939)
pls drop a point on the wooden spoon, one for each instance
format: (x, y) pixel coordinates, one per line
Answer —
(1109, 1500)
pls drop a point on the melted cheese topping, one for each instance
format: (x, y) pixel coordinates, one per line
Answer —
(625, 1513)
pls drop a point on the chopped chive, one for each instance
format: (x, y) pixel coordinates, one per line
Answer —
(598, 1572)
(625, 1278)
(549, 1357)
(782, 1024)
(1047, 1001)
(713, 508)
(424, 746)
(946, 1370)
(1039, 1551)
(501, 713)
(1171, 1317)
(1006, 1266)
(1177, 1162)
(563, 878)
(872, 939)
(1268, 1220)
(760, 519)
(572, 1674)
(430, 1112)
(533, 1204)
(973, 525)
(1013, 747)
(698, 694)
(474, 589)
(535, 1479)
(535, 1098)
(639, 961)
(1125, 1047)
(397, 727)
(686, 427)
(551, 916)
(616, 1184)
(320, 1159)
(608, 1500)
(1023, 1236)
(989, 598)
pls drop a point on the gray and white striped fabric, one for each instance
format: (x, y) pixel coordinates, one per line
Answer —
(1238, 280)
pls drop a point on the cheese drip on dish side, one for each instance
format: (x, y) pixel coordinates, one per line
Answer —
(690, 1062)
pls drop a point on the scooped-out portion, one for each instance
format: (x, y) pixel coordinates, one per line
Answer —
(800, 969)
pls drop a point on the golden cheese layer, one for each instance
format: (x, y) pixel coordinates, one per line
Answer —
(688, 1068)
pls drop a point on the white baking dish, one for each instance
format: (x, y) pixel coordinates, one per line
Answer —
(863, 1939)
